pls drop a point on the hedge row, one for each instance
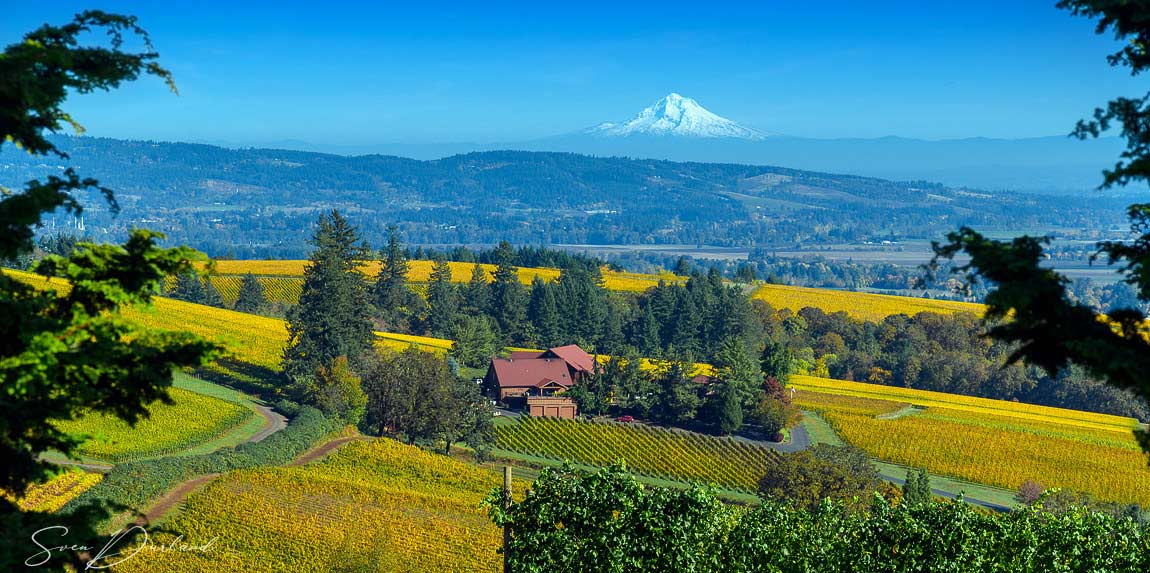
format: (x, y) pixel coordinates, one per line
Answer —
(136, 484)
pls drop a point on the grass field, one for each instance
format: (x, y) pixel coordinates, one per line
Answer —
(194, 418)
(986, 441)
(860, 305)
(658, 452)
(371, 506)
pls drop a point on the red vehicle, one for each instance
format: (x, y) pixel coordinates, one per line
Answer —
(627, 419)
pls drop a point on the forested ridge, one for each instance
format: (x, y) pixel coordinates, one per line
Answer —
(260, 202)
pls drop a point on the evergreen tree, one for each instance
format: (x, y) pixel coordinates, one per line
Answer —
(916, 489)
(333, 317)
(63, 352)
(393, 300)
(508, 305)
(644, 333)
(476, 340)
(252, 297)
(678, 400)
(189, 288)
(442, 299)
(746, 273)
(212, 296)
(682, 266)
(636, 391)
(730, 409)
(739, 371)
(584, 309)
(477, 293)
(543, 312)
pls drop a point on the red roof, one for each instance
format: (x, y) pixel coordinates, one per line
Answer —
(526, 354)
(576, 357)
(530, 372)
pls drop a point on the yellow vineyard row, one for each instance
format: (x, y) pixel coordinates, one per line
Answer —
(860, 305)
(54, 493)
(420, 272)
(994, 450)
(413, 511)
(1031, 412)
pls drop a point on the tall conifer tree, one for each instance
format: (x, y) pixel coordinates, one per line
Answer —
(333, 317)
(442, 299)
(252, 297)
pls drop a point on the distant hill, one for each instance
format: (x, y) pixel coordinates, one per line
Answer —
(261, 202)
(679, 128)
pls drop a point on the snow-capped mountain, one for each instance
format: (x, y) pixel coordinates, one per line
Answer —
(680, 116)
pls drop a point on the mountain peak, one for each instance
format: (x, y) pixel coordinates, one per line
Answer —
(677, 115)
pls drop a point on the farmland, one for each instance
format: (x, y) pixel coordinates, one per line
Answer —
(54, 493)
(986, 441)
(282, 279)
(412, 510)
(194, 418)
(282, 282)
(647, 450)
(860, 305)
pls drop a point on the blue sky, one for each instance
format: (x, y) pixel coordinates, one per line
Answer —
(378, 72)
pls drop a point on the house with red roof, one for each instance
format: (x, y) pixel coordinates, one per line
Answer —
(536, 380)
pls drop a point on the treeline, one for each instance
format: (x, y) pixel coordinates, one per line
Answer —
(699, 320)
(944, 353)
(523, 256)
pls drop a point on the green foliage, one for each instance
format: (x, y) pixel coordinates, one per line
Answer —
(476, 340)
(607, 521)
(189, 287)
(335, 390)
(212, 295)
(777, 361)
(823, 472)
(62, 353)
(577, 522)
(508, 304)
(415, 395)
(393, 300)
(678, 398)
(442, 300)
(252, 297)
(543, 312)
(739, 371)
(477, 293)
(333, 317)
(730, 409)
(633, 387)
(916, 487)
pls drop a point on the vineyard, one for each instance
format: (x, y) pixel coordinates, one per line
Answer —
(860, 305)
(971, 404)
(193, 419)
(657, 452)
(282, 279)
(54, 493)
(411, 510)
(963, 438)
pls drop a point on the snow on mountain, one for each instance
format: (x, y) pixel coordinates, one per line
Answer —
(681, 116)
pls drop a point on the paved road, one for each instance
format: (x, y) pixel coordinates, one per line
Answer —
(994, 506)
(273, 422)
